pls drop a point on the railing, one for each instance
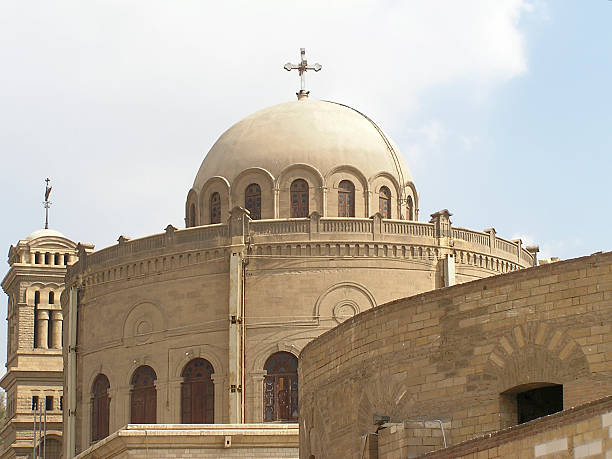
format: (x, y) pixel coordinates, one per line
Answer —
(316, 228)
(474, 237)
(409, 228)
(262, 227)
(346, 225)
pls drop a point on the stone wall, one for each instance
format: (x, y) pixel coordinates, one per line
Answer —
(460, 354)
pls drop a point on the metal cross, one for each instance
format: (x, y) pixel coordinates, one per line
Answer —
(302, 68)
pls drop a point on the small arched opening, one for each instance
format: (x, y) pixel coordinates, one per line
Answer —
(299, 198)
(384, 202)
(252, 200)
(346, 199)
(215, 208)
(530, 401)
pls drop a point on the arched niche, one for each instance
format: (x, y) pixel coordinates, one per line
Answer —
(192, 215)
(261, 177)
(142, 323)
(342, 301)
(283, 186)
(360, 183)
(378, 181)
(214, 185)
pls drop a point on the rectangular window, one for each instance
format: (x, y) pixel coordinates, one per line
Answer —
(61, 403)
(49, 403)
(34, 402)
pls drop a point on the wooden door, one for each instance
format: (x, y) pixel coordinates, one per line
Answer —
(299, 199)
(346, 199)
(144, 406)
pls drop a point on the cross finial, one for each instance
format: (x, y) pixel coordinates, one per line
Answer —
(302, 67)
(46, 202)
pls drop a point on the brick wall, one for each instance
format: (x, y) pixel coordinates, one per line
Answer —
(459, 354)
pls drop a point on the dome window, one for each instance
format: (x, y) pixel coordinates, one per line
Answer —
(346, 199)
(384, 202)
(299, 199)
(409, 208)
(252, 200)
(215, 208)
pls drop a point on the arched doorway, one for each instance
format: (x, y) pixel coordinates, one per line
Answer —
(100, 404)
(143, 398)
(281, 388)
(197, 393)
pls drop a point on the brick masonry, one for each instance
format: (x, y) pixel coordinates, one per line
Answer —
(457, 354)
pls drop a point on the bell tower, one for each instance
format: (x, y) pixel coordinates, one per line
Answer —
(34, 366)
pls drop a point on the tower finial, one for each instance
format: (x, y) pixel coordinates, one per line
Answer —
(47, 203)
(302, 67)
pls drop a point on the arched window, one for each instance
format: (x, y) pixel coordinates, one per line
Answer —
(281, 388)
(409, 208)
(384, 202)
(346, 199)
(51, 298)
(100, 405)
(215, 208)
(143, 398)
(299, 198)
(192, 215)
(252, 200)
(197, 393)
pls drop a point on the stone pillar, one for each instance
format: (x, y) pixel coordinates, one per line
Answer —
(449, 270)
(492, 234)
(219, 383)
(56, 330)
(42, 329)
(257, 387)
(324, 213)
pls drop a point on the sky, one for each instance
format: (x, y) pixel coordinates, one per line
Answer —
(501, 109)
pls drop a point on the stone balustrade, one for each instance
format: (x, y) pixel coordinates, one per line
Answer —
(373, 236)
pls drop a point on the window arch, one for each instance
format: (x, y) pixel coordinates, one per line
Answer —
(192, 215)
(143, 397)
(384, 202)
(299, 198)
(215, 208)
(281, 388)
(346, 199)
(197, 393)
(100, 406)
(409, 208)
(252, 200)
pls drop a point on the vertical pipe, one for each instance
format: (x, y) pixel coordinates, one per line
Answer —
(70, 375)
(34, 434)
(45, 433)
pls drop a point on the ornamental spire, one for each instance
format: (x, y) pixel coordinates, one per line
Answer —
(302, 67)
(46, 202)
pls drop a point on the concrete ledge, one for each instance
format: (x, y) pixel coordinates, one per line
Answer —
(199, 440)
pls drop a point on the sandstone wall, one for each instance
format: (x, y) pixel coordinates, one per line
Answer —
(452, 354)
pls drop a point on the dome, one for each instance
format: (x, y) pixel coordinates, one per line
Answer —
(44, 233)
(321, 134)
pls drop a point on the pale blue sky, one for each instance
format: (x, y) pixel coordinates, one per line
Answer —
(502, 109)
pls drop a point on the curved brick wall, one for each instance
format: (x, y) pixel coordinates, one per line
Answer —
(449, 354)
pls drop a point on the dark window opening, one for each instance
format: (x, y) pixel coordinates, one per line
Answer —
(51, 298)
(535, 403)
(34, 402)
(56, 259)
(299, 198)
(143, 396)
(384, 202)
(409, 208)
(100, 407)
(252, 201)
(215, 208)
(37, 258)
(47, 258)
(346, 199)
(61, 403)
(49, 402)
